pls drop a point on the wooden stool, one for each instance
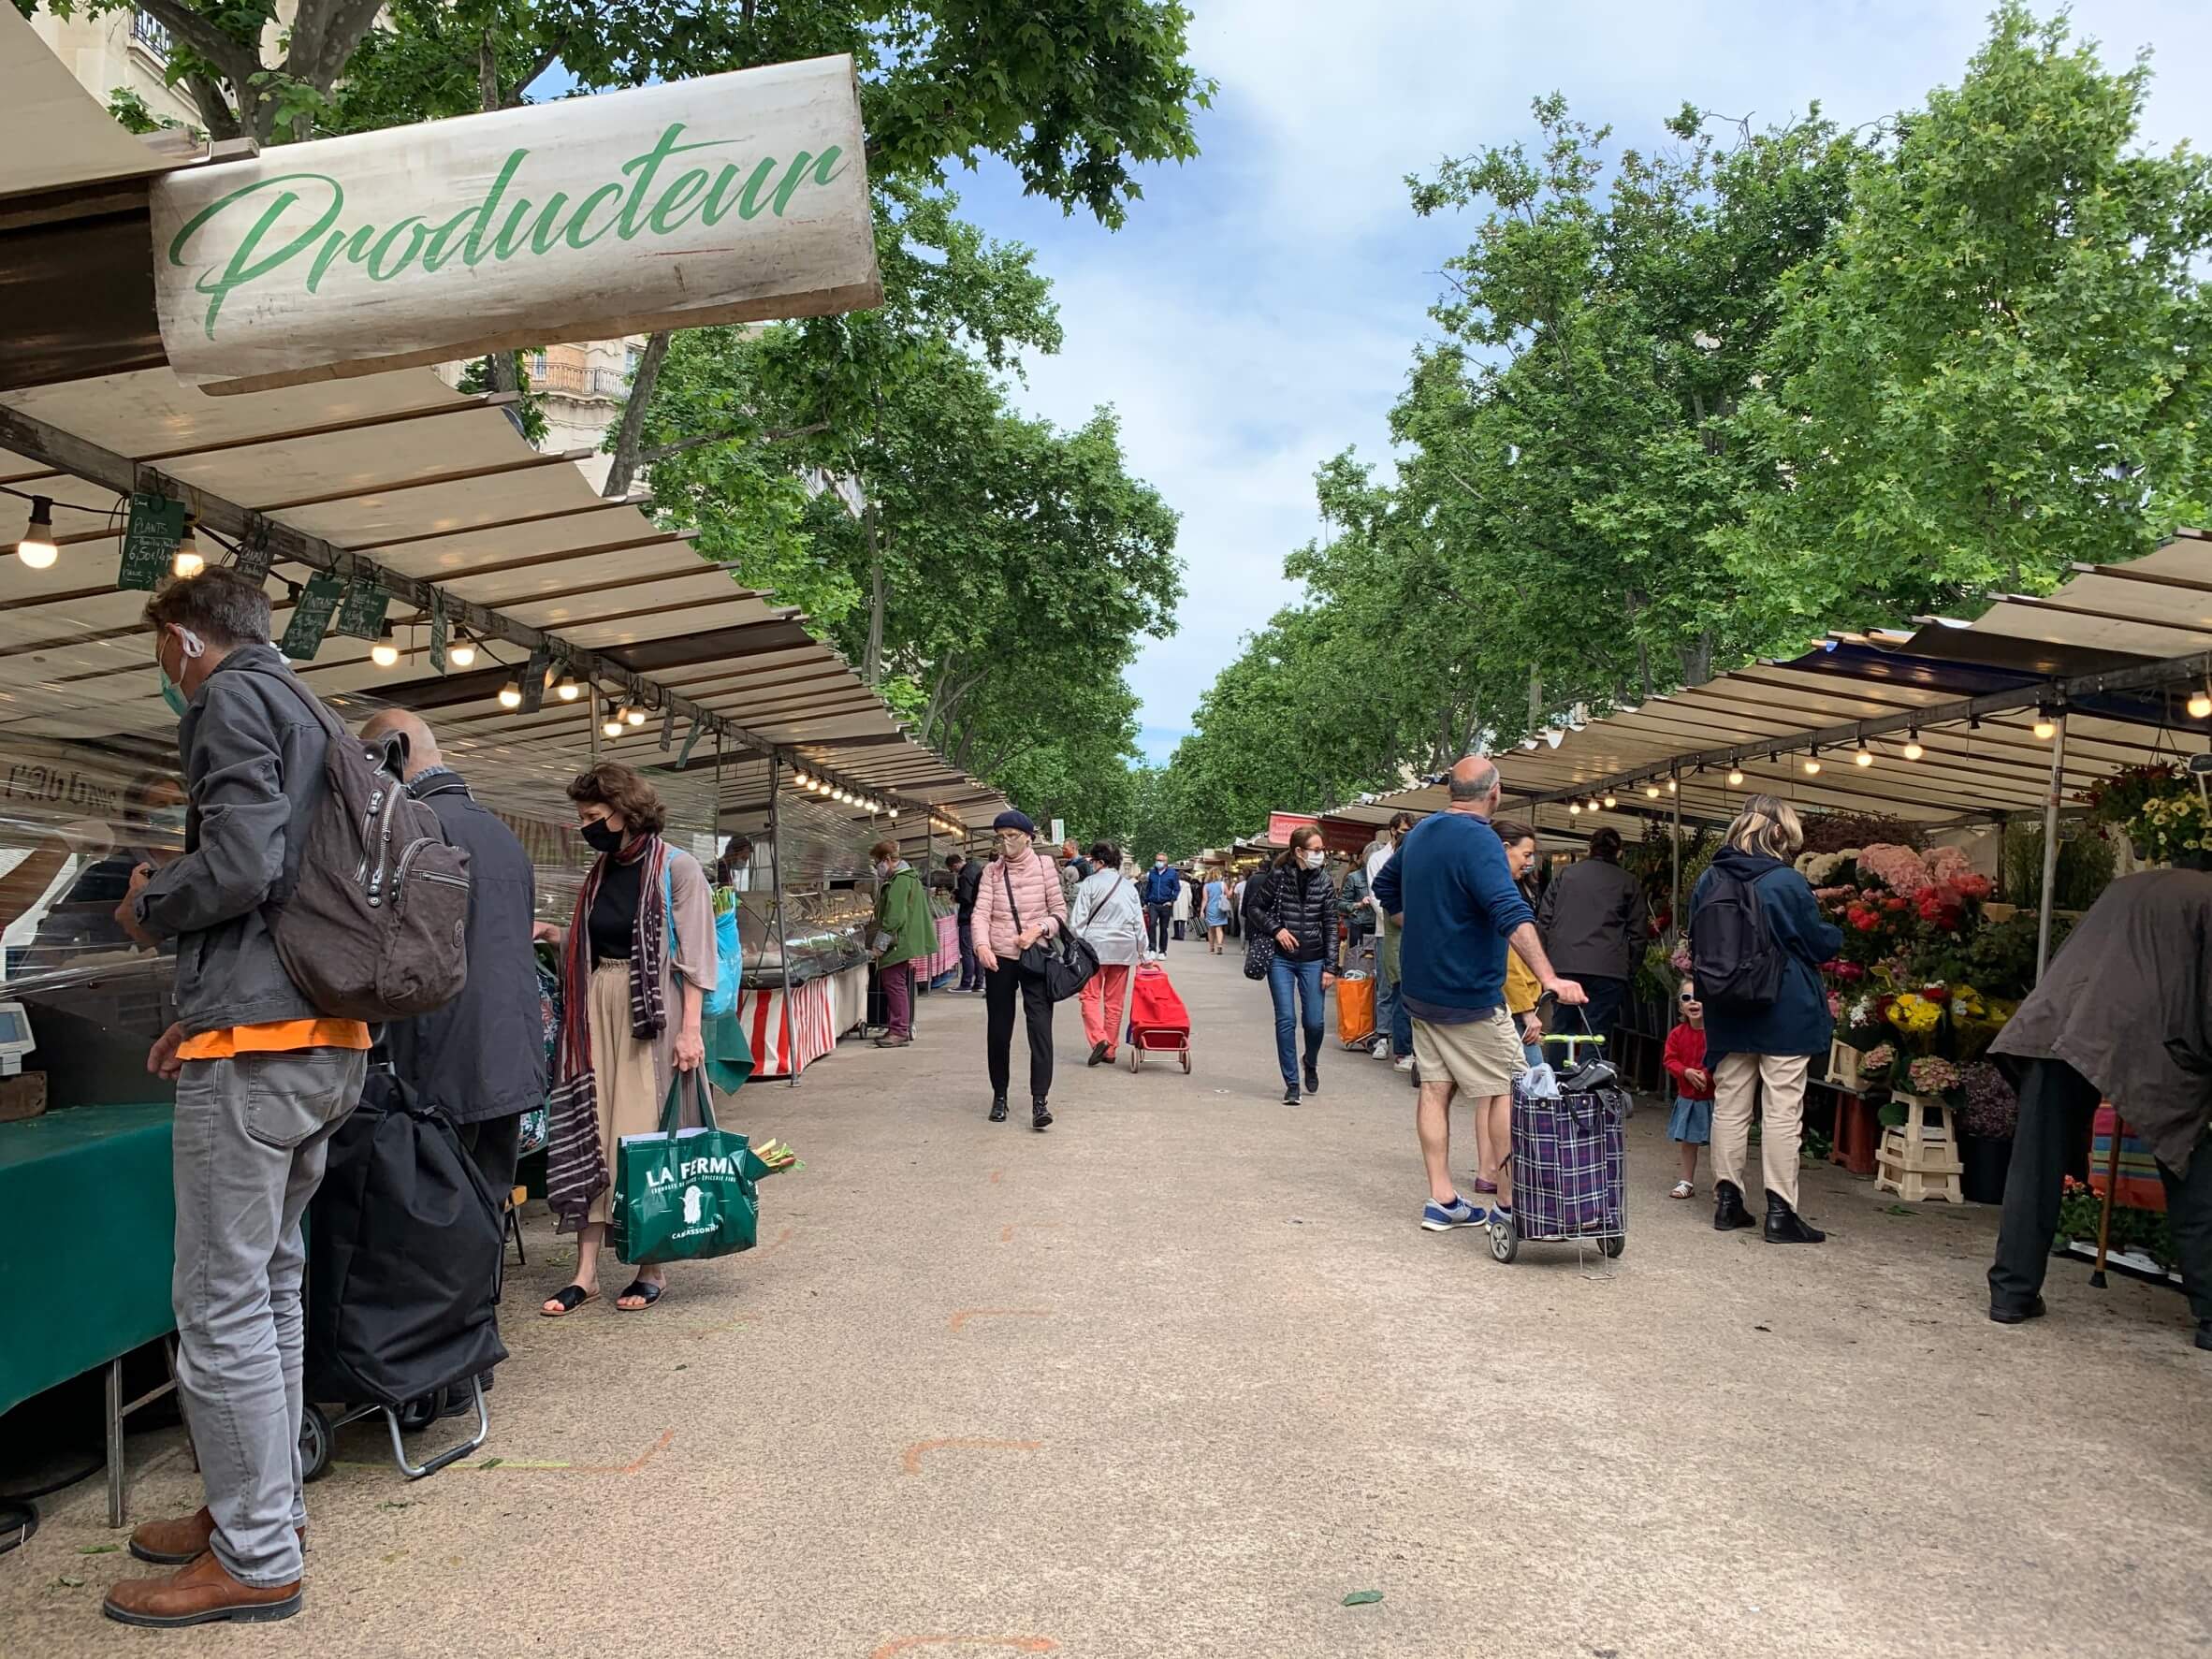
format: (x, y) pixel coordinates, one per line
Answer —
(1919, 1157)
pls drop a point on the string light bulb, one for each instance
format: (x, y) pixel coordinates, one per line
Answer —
(1862, 756)
(462, 653)
(384, 653)
(186, 560)
(1573, 808)
(510, 695)
(1612, 799)
(2046, 725)
(568, 691)
(612, 726)
(1735, 776)
(37, 549)
(637, 715)
(1672, 785)
(1592, 803)
(1913, 750)
(1651, 791)
(2199, 699)
(1812, 766)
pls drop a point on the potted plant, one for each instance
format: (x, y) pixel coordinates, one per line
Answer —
(1986, 1119)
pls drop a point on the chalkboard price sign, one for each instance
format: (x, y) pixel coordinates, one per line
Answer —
(150, 541)
(311, 617)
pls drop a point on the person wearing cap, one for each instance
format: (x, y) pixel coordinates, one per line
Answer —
(1018, 902)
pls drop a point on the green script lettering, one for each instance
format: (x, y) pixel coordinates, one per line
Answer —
(242, 238)
(241, 269)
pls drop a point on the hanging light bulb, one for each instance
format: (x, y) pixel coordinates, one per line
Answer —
(636, 716)
(1612, 799)
(510, 695)
(1913, 750)
(462, 653)
(2046, 725)
(798, 780)
(384, 653)
(612, 726)
(893, 811)
(568, 691)
(186, 560)
(1573, 808)
(1813, 765)
(2199, 699)
(1651, 791)
(1735, 776)
(1862, 756)
(36, 548)
(1591, 805)
(1672, 786)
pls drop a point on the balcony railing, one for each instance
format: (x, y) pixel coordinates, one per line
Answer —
(149, 32)
(575, 381)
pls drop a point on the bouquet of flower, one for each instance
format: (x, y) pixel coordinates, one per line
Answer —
(1991, 1110)
(1875, 1063)
(1899, 869)
(1915, 1017)
(2168, 827)
(1935, 1079)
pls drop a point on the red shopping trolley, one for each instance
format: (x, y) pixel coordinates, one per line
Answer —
(1158, 1022)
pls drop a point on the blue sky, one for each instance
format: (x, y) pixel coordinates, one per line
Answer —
(1260, 310)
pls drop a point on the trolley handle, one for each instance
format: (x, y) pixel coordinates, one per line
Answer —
(1573, 1040)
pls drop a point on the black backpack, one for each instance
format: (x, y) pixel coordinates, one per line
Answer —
(373, 922)
(1733, 953)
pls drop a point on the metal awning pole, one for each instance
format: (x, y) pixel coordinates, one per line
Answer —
(2050, 846)
(1674, 913)
(782, 947)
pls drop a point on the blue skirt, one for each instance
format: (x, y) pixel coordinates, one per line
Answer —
(1692, 1121)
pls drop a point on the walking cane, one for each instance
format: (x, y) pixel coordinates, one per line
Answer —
(2111, 1187)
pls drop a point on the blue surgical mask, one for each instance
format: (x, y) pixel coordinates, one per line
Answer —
(171, 818)
(170, 695)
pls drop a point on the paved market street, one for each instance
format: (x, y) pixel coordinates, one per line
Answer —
(1178, 1375)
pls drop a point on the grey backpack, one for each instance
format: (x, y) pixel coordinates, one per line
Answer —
(373, 920)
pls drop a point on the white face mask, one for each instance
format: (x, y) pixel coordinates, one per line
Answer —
(1313, 860)
(882, 869)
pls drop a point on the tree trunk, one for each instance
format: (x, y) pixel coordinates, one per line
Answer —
(1535, 702)
(1697, 660)
(632, 432)
(871, 662)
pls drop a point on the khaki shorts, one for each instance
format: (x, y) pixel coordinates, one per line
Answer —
(1482, 1057)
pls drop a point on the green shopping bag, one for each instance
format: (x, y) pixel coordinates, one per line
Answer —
(729, 1055)
(685, 1195)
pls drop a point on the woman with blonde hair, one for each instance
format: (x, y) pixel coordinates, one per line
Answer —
(1757, 942)
(638, 960)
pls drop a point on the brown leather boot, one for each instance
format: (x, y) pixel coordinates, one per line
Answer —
(201, 1594)
(181, 1541)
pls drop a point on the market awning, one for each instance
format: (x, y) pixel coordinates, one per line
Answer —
(2117, 650)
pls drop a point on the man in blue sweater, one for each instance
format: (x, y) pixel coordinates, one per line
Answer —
(1448, 888)
(1161, 884)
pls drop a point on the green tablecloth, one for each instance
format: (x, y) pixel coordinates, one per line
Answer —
(87, 1226)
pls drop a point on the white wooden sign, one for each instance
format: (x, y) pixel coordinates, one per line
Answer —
(728, 199)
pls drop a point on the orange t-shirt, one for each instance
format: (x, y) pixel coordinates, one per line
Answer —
(274, 1037)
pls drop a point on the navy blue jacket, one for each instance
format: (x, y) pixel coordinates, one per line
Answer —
(1161, 883)
(1450, 879)
(1796, 1022)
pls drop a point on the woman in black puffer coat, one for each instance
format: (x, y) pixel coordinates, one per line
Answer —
(1293, 902)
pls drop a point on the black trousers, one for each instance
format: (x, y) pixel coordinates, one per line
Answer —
(494, 1145)
(1158, 918)
(2057, 1105)
(1001, 984)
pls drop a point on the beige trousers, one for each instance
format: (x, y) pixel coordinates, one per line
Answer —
(1735, 1088)
(621, 1067)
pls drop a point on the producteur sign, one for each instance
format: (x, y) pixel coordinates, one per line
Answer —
(730, 198)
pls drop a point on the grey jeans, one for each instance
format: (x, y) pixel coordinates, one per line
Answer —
(251, 1137)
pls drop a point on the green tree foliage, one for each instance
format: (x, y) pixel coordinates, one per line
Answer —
(1700, 404)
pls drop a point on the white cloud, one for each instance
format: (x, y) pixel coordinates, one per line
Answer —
(1260, 309)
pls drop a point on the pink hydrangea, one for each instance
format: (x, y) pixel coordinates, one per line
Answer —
(1899, 869)
(1947, 865)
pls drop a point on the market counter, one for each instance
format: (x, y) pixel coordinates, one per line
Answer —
(87, 1243)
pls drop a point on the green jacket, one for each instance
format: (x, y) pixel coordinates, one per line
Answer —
(903, 908)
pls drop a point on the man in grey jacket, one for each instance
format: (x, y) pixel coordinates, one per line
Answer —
(263, 1080)
(1595, 926)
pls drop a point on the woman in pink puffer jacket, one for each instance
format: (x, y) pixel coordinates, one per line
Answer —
(1017, 903)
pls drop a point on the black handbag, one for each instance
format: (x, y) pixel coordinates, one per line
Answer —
(1259, 950)
(1063, 962)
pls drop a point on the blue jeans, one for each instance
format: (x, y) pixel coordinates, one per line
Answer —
(1296, 987)
(1392, 1016)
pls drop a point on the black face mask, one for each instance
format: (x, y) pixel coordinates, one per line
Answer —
(600, 838)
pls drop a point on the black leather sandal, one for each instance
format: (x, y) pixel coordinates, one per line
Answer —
(645, 1290)
(570, 1298)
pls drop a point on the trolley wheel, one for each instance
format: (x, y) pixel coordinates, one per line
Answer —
(1613, 1245)
(314, 1442)
(1136, 1057)
(1186, 1061)
(1504, 1242)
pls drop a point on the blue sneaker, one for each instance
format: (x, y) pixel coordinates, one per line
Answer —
(1502, 1217)
(1436, 1217)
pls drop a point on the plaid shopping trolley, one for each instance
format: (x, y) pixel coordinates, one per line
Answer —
(1569, 1162)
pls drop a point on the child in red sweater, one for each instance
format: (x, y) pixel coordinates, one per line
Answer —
(1691, 1127)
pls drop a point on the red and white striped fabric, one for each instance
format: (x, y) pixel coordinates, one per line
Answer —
(787, 1038)
(946, 957)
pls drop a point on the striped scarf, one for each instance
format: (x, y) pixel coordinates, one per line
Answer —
(575, 1159)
